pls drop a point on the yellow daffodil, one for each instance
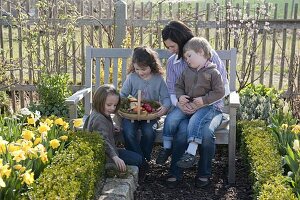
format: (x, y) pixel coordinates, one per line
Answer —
(77, 123)
(18, 167)
(296, 145)
(63, 138)
(66, 126)
(18, 155)
(44, 157)
(296, 129)
(13, 147)
(30, 120)
(43, 128)
(2, 183)
(26, 145)
(31, 153)
(5, 171)
(28, 177)
(49, 122)
(40, 148)
(27, 134)
(37, 141)
(59, 121)
(3, 144)
(284, 126)
(54, 143)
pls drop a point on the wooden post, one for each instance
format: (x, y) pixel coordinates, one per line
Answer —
(120, 23)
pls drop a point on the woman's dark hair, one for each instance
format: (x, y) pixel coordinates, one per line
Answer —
(179, 33)
(144, 57)
(100, 96)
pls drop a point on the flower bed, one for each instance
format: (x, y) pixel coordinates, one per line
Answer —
(29, 144)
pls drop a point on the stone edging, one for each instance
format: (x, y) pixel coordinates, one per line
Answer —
(120, 188)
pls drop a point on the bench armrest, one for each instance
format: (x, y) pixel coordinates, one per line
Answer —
(76, 97)
(234, 99)
(73, 100)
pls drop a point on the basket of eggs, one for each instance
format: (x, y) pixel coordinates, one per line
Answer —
(138, 109)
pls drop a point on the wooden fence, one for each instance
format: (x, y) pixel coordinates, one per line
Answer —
(267, 37)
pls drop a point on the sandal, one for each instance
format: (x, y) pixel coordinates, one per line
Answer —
(186, 161)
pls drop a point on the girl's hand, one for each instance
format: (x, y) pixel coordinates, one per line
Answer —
(198, 102)
(120, 163)
(161, 111)
(183, 99)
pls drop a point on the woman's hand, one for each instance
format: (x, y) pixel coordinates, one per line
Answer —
(161, 111)
(120, 163)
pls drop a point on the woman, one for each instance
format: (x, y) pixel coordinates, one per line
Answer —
(175, 35)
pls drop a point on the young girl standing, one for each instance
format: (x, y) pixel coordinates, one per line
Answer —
(145, 74)
(106, 101)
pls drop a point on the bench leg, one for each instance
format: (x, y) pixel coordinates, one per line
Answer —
(232, 146)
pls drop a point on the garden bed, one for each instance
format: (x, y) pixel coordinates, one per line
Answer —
(154, 187)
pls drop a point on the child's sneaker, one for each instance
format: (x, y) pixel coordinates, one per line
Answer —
(186, 161)
(163, 156)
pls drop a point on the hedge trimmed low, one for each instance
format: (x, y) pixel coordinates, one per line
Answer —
(265, 162)
(74, 172)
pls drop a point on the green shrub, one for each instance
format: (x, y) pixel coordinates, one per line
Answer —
(73, 173)
(53, 90)
(276, 189)
(263, 157)
(257, 102)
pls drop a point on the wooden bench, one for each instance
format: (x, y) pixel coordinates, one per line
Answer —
(110, 66)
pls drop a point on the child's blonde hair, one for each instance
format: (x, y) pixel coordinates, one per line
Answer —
(197, 44)
(144, 57)
(100, 96)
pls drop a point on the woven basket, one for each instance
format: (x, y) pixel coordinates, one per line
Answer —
(138, 116)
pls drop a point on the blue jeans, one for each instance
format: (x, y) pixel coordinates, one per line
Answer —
(145, 144)
(201, 127)
(179, 146)
(197, 122)
(130, 157)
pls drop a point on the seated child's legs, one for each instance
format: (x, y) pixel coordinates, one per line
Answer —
(202, 124)
(198, 121)
(130, 157)
(147, 137)
(130, 136)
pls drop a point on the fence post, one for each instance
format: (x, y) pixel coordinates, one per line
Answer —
(120, 23)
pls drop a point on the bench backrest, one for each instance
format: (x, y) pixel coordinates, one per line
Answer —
(110, 66)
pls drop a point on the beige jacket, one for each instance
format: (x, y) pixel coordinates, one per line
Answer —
(206, 83)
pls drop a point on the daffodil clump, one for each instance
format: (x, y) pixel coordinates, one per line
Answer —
(27, 145)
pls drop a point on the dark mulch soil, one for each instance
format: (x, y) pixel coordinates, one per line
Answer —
(154, 185)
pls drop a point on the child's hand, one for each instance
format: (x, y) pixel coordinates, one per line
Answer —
(161, 111)
(183, 99)
(198, 102)
(120, 163)
(117, 129)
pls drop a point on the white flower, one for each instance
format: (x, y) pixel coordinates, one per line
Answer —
(296, 145)
(289, 174)
(25, 111)
(37, 115)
